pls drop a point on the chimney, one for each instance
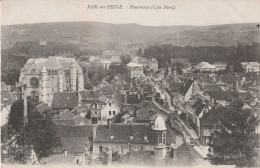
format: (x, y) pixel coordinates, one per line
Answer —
(94, 131)
(174, 151)
(109, 122)
(25, 115)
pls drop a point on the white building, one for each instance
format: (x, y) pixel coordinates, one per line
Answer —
(205, 66)
(45, 76)
(251, 66)
(135, 70)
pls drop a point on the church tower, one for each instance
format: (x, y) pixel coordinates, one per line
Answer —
(73, 77)
(159, 137)
(44, 84)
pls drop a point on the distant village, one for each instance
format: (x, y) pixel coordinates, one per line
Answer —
(158, 116)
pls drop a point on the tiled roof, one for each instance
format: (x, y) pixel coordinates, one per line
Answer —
(214, 115)
(65, 100)
(79, 120)
(175, 86)
(119, 99)
(185, 87)
(79, 109)
(146, 109)
(121, 134)
(66, 115)
(90, 95)
(73, 138)
(58, 121)
(42, 107)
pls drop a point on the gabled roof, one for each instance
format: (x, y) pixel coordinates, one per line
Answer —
(66, 115)
(65, 100)
(79, 109)
(42, 107)
(79, 120)
(16, 91)
(52, 62)
(185, 86)
(119, 99)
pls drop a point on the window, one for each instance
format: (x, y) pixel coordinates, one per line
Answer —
(109, 112)
(33, 70)
(114, 113)
(95, 105)
(109, 104)
(95, 112)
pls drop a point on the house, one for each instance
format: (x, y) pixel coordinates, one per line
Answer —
(212, 121)
(220, 66)
(132, 137)
(159, 147)
(43, 108)
(105, 108)
(17, 93)
(113, 107)
(135, 70)
(145, 110)
(96, 107)
(64, 100)
(205, 66)
(186, 91)
(250, 66)
(88, 97)
(134, 96)
(76, 145)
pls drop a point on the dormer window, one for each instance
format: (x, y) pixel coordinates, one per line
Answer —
(109, 104)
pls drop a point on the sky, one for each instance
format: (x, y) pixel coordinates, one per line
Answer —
(187, 12)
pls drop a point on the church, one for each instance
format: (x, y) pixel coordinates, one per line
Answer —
(46, 76)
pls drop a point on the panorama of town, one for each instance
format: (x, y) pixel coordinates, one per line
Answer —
(134, 105)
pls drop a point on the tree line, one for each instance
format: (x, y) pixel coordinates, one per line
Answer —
(231, 54)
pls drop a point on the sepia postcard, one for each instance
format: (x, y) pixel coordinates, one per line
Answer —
(130, 83)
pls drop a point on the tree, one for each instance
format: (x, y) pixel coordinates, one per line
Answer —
(140, 52)
(126, 59)
(16, 115)
(39, 133)
(235, 141)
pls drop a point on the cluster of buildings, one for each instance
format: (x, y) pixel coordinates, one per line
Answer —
(164, 119)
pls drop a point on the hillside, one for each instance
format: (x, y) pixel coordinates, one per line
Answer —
(95, 33)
